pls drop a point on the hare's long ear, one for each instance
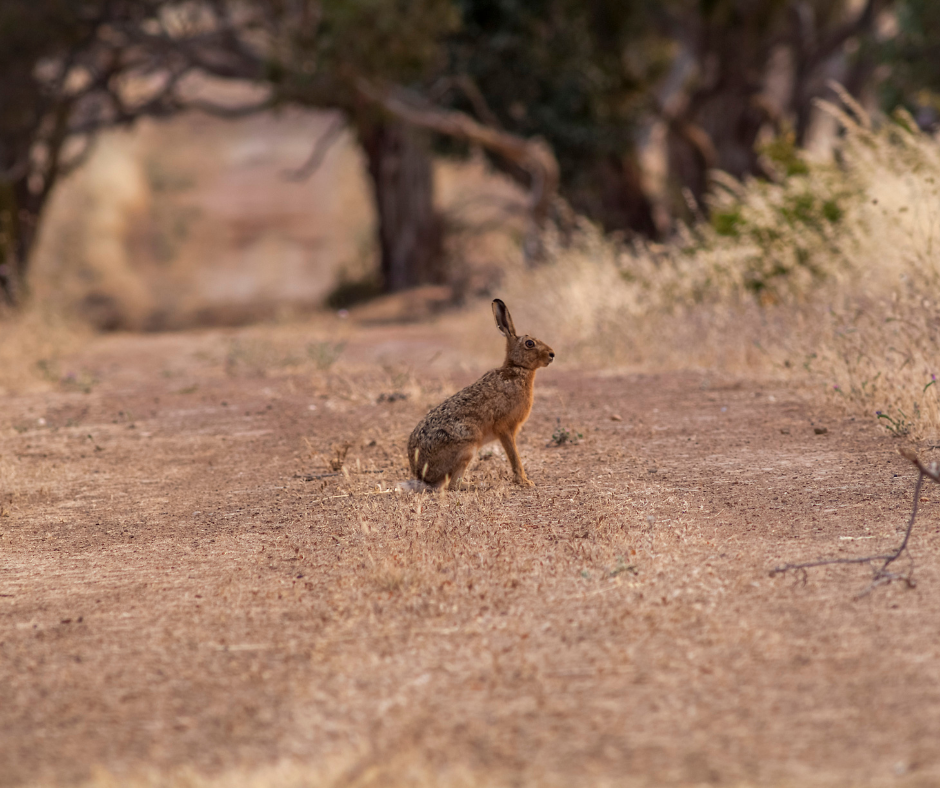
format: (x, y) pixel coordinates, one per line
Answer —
(503, 320)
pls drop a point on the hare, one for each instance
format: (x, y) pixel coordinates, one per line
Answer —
(495, 407)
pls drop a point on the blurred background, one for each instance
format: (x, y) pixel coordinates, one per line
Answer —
(232, 159)
(649, 176)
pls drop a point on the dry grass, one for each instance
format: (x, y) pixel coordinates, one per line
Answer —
(184, 607)
(832, 270)
(193, 594)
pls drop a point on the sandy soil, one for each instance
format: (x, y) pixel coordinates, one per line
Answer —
(190, 594)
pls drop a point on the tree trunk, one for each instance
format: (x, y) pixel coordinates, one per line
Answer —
(18, 220)
(8, 266)
(533, 156)
(721, 134)
(609, 190)
(410, 231)
(721, 120)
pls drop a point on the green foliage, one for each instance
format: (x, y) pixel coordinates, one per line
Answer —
(337, 42)
(578, 74)
(786, 231)
(808, 203)
(325, 354)
(785, 155)
(563, 436)
(727, 221)
(900, 425)
(912, 67)
(831, 274)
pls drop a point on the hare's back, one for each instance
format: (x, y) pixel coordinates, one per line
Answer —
(466, 414)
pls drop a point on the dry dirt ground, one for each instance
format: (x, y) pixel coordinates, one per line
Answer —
(191, 595)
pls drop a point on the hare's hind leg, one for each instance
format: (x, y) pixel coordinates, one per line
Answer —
(463, 456)
(446, 466)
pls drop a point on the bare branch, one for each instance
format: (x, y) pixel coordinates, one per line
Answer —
(320, 148)
(881, 575)
(224, 111)
(931, 471)
(532, 155)
(78, 159)
(473, 93)
(825, 49)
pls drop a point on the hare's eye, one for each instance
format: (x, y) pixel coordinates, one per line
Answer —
(529, 343)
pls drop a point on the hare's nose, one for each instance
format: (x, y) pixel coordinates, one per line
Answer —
(551, 355)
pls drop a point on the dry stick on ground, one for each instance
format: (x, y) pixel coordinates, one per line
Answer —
(881, 575)
(311, 477)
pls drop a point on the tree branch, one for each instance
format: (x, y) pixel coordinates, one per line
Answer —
(474, 95)
(825, 49)
(78, 159)
(320, 148)
(881, 575)
(228, 112)
(532, 155)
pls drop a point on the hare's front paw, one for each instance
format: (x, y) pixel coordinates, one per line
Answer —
(524, 482)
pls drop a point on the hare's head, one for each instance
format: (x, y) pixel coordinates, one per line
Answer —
(525, 351)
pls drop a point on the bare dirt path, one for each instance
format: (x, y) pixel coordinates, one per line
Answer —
(185, 589)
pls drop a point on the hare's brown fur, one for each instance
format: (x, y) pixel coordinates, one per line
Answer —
(494, 408)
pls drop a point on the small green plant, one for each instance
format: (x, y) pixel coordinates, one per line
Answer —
(48, 370)
(324, 354)
(727, 222)
(83, 380)
(563, 436)
(622, 567)
(899, 426)
(785, 154)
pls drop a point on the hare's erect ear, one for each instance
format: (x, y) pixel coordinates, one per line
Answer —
(503, 320)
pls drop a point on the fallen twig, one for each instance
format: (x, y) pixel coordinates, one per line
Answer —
(310, 477)
(391, 491)
(880, 574)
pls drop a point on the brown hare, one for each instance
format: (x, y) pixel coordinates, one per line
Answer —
(494, 408)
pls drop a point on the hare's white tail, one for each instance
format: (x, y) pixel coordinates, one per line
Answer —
(414, 485)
